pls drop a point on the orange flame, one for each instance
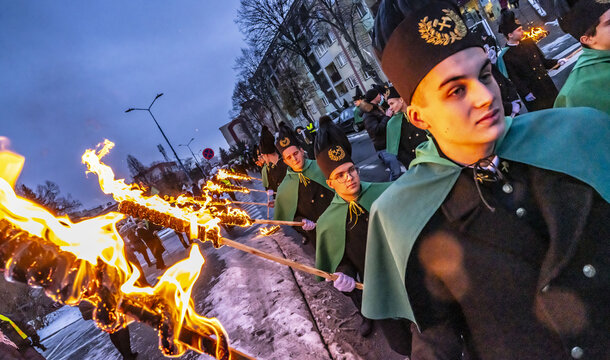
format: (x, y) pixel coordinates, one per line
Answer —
(535, 33)
(97, 239)
(120, 191)
(268, 230)
(225, 174)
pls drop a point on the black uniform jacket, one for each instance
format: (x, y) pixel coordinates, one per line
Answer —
(530, 280)
(410, 138)
(375, 122)
(313, 201)
(527, 68)
(275, 174)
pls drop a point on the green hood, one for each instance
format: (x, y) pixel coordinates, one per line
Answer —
(330, 229)
(393, 132)
(591, 57)
(265, 176)
(588, 82)
(288, 191)
(554, 139)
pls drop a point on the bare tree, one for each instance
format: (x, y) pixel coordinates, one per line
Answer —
(294, 87)
(344, 17)
(252, 91)
(48, 196)
(282, 25)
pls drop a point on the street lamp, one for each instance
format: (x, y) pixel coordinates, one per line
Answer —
(162, 133)
(188, 145)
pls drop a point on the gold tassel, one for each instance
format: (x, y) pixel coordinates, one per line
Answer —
(356, 210)
(304, 179)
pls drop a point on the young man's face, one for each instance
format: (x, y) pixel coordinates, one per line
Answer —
(517, 34)
(462, 106)
(294, 157)
(395, 104)
(357, 102)
(345, 180)
(601, 39)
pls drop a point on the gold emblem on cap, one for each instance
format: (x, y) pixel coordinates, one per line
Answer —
(444, 31)
(337, 153)
(285, 142)
(602, 1)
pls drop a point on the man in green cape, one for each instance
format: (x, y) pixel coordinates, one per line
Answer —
(341, 229)
(589, 22)
(358, 97)
(401, 136)
(303, 195)
(491, 243)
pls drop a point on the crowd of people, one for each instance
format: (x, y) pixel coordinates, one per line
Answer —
(495, 243)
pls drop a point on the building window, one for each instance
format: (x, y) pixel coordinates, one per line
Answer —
(341, 60)
(351, 51)
(330, 36)
(365, 74)
(341, 89)
(325, 101)
(333, 73)
(312, 108)
(351, 81)
(321, 49)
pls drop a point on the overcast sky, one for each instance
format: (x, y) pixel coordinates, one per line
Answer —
(69, 70)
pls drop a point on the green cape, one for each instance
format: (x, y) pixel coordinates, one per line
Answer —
(393, 132)
(573, 141)
(588, 83)
(265, 176)
(288, 191)
(330, 228)
(357, 115)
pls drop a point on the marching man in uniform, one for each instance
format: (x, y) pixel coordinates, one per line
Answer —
(341, 229)
(303, 195)
(588, 21)
(498, 234)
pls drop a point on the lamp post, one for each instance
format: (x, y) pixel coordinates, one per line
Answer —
(162, 133)
(188, 145)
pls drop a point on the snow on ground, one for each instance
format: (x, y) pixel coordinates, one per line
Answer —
(260, 306)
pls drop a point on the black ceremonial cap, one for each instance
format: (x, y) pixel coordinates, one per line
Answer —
(358, 95)
(508, 22)
(286, 138)
(393, 93)
(267, 142)
(332, 148)
(576, 17)
(412, 37)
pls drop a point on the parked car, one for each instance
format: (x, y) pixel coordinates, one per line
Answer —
(345, 121)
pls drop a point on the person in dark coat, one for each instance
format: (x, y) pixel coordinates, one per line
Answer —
(508, 91)
(375, 122)
(121, 338)
(402, 136)
(526, 66)
(274, 169)
(150, 238)
(303, 195)
(499, 233)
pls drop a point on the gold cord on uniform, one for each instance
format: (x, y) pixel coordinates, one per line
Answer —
(356, 210)
(304, 179)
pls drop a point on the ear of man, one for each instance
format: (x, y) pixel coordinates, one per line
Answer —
(414, 109)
